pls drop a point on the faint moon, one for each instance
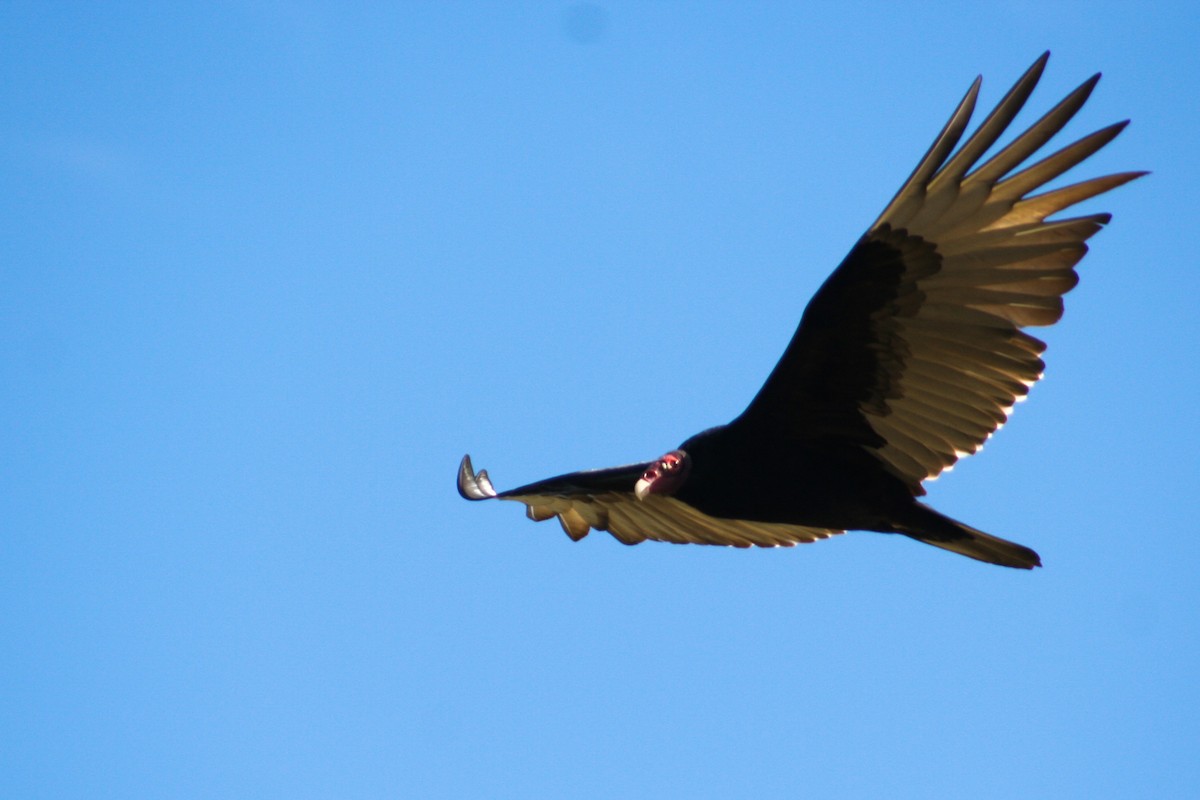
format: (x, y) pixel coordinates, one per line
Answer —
(585, 22)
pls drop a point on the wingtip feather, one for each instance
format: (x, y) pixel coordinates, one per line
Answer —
(472, 486)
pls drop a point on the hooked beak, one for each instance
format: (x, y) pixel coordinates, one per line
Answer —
(641, 489)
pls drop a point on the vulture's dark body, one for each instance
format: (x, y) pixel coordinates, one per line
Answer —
(738, 475)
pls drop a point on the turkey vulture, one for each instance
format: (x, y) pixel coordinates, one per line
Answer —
(909, 356)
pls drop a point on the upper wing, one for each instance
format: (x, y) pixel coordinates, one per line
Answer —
(912, 347)
(603, 499)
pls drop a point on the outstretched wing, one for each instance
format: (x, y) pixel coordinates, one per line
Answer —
(913, 347)
(603, 499)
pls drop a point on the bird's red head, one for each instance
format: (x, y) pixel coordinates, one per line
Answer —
(664, 476)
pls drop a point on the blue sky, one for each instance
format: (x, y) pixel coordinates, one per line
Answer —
(267, 270)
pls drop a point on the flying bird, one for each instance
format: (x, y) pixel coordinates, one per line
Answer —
(910, 356)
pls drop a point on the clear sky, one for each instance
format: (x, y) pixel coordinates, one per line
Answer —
(267, 270)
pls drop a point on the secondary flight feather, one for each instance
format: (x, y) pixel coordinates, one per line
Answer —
(910, 356)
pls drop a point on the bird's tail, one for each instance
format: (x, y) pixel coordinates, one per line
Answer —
(928, 526)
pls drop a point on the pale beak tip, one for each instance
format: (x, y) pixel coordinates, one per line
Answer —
(641, 489)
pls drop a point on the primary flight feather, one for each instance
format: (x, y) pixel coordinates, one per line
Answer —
(908, 357)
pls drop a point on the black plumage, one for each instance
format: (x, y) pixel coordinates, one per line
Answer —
(909, 356)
